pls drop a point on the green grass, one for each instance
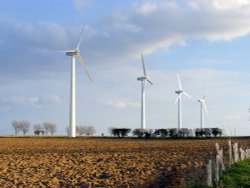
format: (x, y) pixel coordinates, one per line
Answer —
(237, 176)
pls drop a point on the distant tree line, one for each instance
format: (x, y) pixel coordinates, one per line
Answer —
(166, 133)
(45, 128)
(24, 126)
(83, 130)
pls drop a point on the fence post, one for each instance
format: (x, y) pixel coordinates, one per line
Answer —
(209, 173)
(236, 152)
(221, 161)
(230, 153)
(217, 168)
(242, 154)
(217, 147)
(247, 153)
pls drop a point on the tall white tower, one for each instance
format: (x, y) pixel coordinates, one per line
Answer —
(72, 109)
(180, 92)
(143, 80)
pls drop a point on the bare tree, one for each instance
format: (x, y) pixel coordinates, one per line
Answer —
(81, 130)
(46, 127)
(25, 126)
(16, 126)
(49, 127)
(90, 130)
(21, 126)
(38, 128)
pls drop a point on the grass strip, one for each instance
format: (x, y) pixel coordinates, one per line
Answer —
(237, 176)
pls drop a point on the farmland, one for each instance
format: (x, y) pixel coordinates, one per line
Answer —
(63, 162)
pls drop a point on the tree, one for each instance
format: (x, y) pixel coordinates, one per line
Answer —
(148, 133)
(216, 132)
(49, 127)
(173, 132)
(184, 132)
(81, 130)
(38, 128)
(163, 132)
(90, 130)
(21, 126)
(16, 126)
(139, 132)
(198, 132)
(120, 132)
(207, 132)
(25, 127)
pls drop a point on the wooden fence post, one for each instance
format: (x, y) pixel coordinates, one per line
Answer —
(247, 153)
(242, 154)
(230, 153)
(236, 152)
(209, 173)
(217, 168)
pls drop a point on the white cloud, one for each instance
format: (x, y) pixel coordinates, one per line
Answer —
(32, 101)
(82, 4)
(118, 104)
(147, 8)
(22, 101)
(51, 99)
(152, 25)
(230, 4)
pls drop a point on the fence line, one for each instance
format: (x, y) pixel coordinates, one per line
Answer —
(216, 168)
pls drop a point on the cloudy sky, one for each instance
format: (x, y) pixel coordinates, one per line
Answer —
(206, 41)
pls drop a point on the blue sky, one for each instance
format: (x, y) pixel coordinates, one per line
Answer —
(205, 41)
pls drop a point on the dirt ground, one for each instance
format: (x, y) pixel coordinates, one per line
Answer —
(64, 162)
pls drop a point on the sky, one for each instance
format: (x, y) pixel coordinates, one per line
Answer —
(205, 41)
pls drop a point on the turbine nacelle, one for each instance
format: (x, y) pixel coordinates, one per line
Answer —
(142, 78)
(145, 77)
(178, 91)
(72, 52)
(203, 103)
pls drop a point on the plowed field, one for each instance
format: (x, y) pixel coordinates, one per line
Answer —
(62, 162)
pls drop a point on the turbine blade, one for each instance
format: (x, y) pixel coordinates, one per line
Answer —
(179, 96)
(84, 67)
(205, 106)
(204, 97)
(143, 66)
(187, 94)
(149, 81)
(179, 81)
(81, 37)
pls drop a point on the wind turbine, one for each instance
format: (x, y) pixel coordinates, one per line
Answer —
(143, 79)
(203, 107)
(72, 112)
(180, 92)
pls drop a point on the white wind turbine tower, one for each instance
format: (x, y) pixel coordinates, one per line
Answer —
(180, 92)
(203, 108)
(73, 54)
(143, 80)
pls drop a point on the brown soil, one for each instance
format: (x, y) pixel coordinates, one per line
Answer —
(62, 162)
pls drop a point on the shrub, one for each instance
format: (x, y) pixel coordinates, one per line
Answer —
(161, 132)
(120, 132)
(216, 132)
(173, 132)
